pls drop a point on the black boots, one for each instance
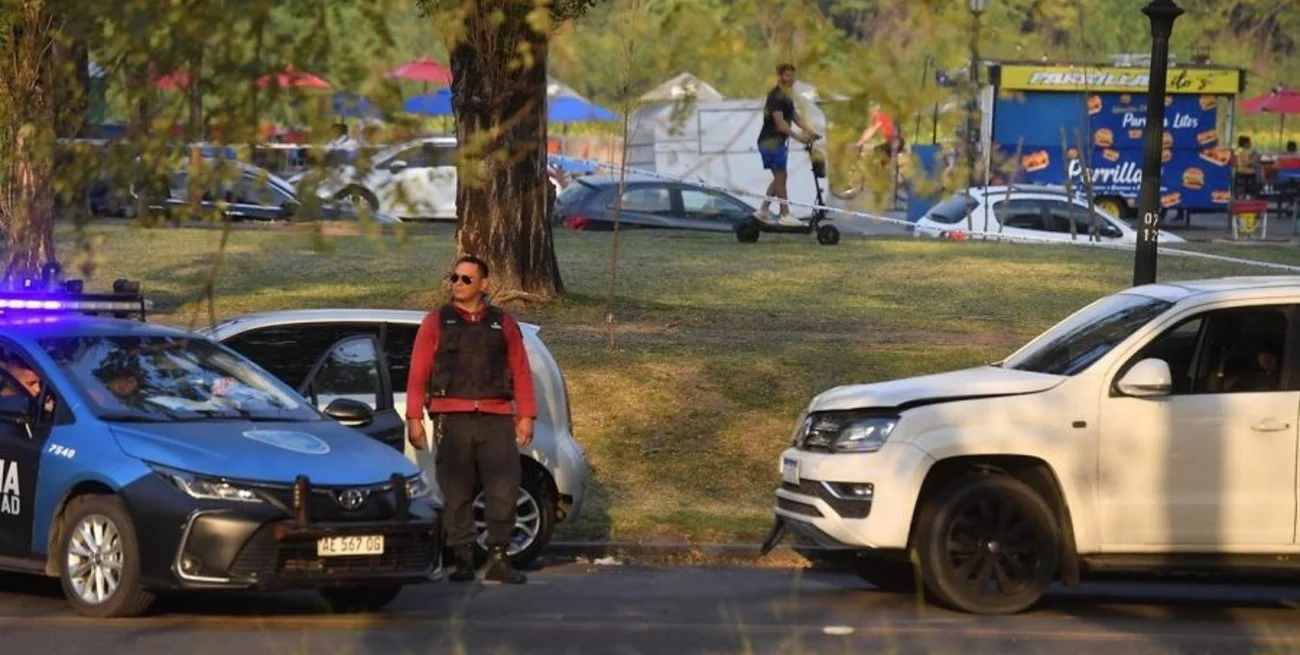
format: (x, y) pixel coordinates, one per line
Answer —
(499, 568)
(464, 571)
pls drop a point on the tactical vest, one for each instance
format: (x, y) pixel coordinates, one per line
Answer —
(471, 358)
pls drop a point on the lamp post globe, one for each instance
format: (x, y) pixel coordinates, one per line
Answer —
(977, 6)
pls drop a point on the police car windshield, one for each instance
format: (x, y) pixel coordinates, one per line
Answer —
(169, 378)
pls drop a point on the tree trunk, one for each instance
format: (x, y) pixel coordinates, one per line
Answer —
(27, 92)
(502, 196)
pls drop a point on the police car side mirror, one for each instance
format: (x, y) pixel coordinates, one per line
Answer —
(350, 412)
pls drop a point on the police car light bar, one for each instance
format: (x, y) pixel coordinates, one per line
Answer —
(124, 301)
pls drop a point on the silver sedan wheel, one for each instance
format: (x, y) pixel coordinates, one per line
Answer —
(95, 559)
(528, 522)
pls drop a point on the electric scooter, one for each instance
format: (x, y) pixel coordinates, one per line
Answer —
(748, 230)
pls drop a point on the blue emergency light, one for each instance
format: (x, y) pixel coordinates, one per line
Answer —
(49, 295)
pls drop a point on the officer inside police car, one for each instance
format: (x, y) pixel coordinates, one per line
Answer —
(469, 357)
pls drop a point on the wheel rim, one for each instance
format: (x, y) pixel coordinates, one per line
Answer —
(95, 559)
(528, 521)
(1112, 207)
(994, 547)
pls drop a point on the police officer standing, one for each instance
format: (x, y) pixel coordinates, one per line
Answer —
(469, 356)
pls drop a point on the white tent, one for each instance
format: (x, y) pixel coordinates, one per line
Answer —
(681, 88)
(716, 143)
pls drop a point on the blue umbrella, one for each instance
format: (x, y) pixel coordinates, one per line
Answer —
(437, 103)
(354, 106)
(567, 109)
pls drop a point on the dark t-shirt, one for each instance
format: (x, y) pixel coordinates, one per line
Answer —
(778, 99)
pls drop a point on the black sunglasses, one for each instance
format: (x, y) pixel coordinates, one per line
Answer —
(463, 278)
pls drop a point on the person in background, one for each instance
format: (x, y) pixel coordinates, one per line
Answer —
(469, 362)
(779, 119)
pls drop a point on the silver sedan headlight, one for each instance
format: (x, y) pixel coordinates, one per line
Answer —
(418, 486)
(845, 432)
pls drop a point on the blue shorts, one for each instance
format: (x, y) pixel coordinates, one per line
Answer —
(774, 155)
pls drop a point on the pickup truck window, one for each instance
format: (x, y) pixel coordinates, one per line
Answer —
(1075, 343)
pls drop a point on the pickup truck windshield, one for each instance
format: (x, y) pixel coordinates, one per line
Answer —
(167, 378)
(1075, 343)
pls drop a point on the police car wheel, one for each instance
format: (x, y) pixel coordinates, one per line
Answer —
(99, 563)
(343, 600)
(534, 521)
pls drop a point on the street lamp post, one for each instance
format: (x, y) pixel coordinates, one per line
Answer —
(1162, 14)
(977, 7)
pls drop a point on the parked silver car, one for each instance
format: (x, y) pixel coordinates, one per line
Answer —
(333, 357)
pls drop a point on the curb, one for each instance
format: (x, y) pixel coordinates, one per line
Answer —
(596, 549)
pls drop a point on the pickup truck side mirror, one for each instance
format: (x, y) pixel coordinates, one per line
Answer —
(1148, 378)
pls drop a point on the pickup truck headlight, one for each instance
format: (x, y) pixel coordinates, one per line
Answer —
(846, 432)
(205, 488)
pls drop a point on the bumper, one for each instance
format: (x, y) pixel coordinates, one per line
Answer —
(572, 476)
(225, 550)
(849, 500)
(191, 544)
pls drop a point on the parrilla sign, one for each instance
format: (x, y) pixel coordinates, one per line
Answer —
(1114, 79)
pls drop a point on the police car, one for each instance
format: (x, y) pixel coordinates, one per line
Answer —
(137, 459)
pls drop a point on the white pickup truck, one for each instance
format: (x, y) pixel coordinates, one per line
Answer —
(1153, 430)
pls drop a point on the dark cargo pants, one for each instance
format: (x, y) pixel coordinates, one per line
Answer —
(477, 449)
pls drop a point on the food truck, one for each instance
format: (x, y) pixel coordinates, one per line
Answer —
(1059, 116)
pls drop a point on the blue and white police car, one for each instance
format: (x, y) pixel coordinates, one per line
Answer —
(138, 459)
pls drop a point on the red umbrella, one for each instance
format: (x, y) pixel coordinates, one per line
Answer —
(1280, 100)
(422, 70)
(291, 78)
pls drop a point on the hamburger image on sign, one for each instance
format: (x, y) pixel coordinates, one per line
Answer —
(1168, 140)
(1207, 137)
(1094, 104)
(1166, 155)
(1193, 178)
(1104, 137)
(1209, 102)
(1135, 133)
(1035, 161)
(1110, 155)
(1171, 199)
(1218, 156)
(1221, 197)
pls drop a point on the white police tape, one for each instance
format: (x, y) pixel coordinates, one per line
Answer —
(958, 234)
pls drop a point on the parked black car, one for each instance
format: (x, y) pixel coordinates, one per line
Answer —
(588, 203)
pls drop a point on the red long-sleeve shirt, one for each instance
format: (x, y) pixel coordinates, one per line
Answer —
(426, 344)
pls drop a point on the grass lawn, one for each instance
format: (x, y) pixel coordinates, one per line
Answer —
(720, 344)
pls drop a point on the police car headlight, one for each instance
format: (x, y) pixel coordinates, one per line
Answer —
(203, 488)
(418, 486)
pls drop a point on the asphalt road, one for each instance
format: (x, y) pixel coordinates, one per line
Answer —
(588, 609)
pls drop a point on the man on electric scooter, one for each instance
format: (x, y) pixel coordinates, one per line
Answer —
(778, 116)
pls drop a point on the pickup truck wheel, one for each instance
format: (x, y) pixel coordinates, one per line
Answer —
(992, 546)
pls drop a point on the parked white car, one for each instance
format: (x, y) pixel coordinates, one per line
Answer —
(412, 180)
(333, 354)
(1029, 213)
(1153, 430)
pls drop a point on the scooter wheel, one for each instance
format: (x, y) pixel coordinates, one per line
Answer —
(747, 234)
(828, 235)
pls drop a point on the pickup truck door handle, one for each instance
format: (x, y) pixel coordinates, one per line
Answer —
(1270, 425)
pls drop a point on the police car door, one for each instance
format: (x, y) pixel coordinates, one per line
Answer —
(351, 384)
(24, 430)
